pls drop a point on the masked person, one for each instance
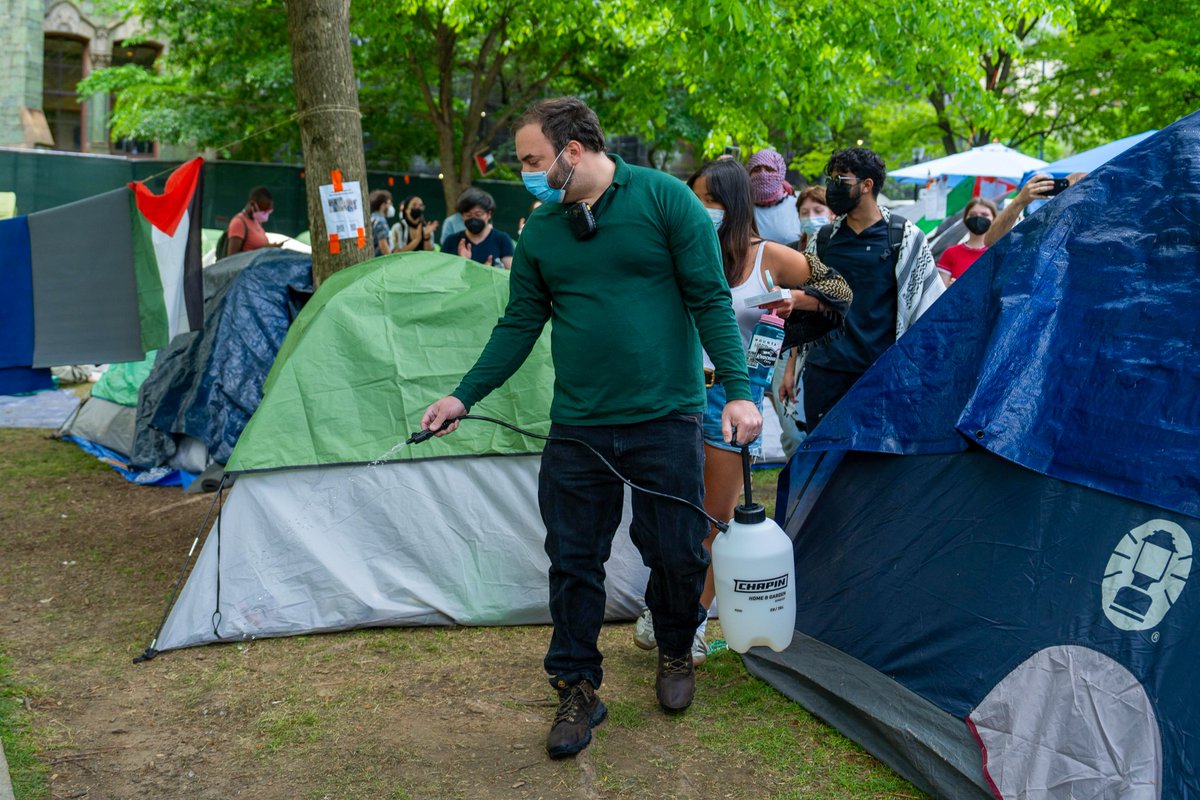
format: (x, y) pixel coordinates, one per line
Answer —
(887, 263)
(978, 216)
(480, 241)
(724, 188)
(381, 209)
(245, 231)
(786, 393)
(1033, 195)
(774, 210)
(625, 261)
(813, 213)
(412, 231)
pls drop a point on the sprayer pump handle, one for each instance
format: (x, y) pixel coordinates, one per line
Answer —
(747, 483)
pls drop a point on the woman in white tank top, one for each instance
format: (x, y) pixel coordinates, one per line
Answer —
(723, 187)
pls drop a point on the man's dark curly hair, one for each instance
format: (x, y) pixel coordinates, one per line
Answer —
(861, 163)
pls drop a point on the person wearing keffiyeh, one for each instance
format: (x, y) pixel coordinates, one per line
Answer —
(893, 278)
(774, 206)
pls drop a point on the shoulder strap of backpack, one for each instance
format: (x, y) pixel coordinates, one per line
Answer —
(896, 233)
(823, 237)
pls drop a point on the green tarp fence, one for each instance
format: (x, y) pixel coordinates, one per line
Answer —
(44, 179)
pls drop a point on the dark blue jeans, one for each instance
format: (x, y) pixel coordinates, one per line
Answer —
(581, 502)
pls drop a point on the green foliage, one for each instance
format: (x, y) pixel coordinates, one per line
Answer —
(226, 75)
(1130, 65)
(443, 79)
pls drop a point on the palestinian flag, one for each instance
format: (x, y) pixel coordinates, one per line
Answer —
(951, 201)
(166, 255)
(103, 280)
(485, 162)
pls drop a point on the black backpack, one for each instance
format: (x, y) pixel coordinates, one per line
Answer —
(222, 244)
(223, 241)
(895, 238)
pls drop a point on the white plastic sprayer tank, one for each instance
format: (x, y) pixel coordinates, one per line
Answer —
(755, 575)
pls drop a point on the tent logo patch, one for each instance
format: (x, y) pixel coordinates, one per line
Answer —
(1145, 575)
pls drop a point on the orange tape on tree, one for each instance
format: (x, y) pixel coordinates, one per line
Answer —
(335, 246)
(362, 239)
(337, 180)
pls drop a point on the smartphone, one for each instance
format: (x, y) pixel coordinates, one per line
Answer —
(1060, 185)
(732, 150)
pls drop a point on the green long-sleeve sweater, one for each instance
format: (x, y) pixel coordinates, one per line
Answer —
(626, 307)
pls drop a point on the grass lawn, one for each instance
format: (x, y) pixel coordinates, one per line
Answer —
(440, 713)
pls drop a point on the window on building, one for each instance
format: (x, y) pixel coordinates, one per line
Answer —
(62, 70)
(144, 56)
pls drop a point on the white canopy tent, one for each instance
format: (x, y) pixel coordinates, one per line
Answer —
(990, 160)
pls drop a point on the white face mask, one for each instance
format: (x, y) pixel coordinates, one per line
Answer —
(717, 215)
(391, 211)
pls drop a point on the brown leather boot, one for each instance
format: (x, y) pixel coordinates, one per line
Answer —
(675, 684)
(579, 710)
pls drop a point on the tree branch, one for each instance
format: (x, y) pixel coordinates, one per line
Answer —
(534, 89)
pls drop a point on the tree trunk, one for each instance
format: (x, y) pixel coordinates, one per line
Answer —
(452, 185)
(330, 126)
(937, 99)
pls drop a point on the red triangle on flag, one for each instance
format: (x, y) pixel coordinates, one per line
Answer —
(164, 211)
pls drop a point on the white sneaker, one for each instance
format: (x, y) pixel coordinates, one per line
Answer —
(643, 631)
(699, 649)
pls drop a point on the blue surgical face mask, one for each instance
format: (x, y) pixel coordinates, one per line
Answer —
(810, 225)
(717, 215)
(539, 185)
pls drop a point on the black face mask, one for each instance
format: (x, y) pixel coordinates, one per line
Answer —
(978, 225)
(475, 225)
(840, 198)
(415, 213)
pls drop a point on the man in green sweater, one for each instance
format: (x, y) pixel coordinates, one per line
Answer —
(632, 296)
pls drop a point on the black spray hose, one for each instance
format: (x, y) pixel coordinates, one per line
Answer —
(424, 436)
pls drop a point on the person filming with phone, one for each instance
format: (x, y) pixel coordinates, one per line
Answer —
(1033, 195)
(625, 261)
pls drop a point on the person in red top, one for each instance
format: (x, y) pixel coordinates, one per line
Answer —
(978, 216)
(245, 230)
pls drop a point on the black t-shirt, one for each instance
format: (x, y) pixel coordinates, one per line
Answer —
(497, 245)
(870, 269)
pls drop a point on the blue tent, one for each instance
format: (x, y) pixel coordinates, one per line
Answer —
(208, 383)
(1088, 160)
(993, 530)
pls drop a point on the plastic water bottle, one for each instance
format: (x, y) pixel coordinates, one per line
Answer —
(754, 570)
(765, 344)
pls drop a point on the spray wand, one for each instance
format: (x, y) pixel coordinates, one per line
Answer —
(426, 435)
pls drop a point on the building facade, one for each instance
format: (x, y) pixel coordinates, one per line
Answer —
(51, 45)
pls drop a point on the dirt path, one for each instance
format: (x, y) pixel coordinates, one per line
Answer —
(87, 561)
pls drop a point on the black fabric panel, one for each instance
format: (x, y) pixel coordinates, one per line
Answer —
(193, 274)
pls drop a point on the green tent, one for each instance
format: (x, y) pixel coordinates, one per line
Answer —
(371, 351)
(315, 536)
